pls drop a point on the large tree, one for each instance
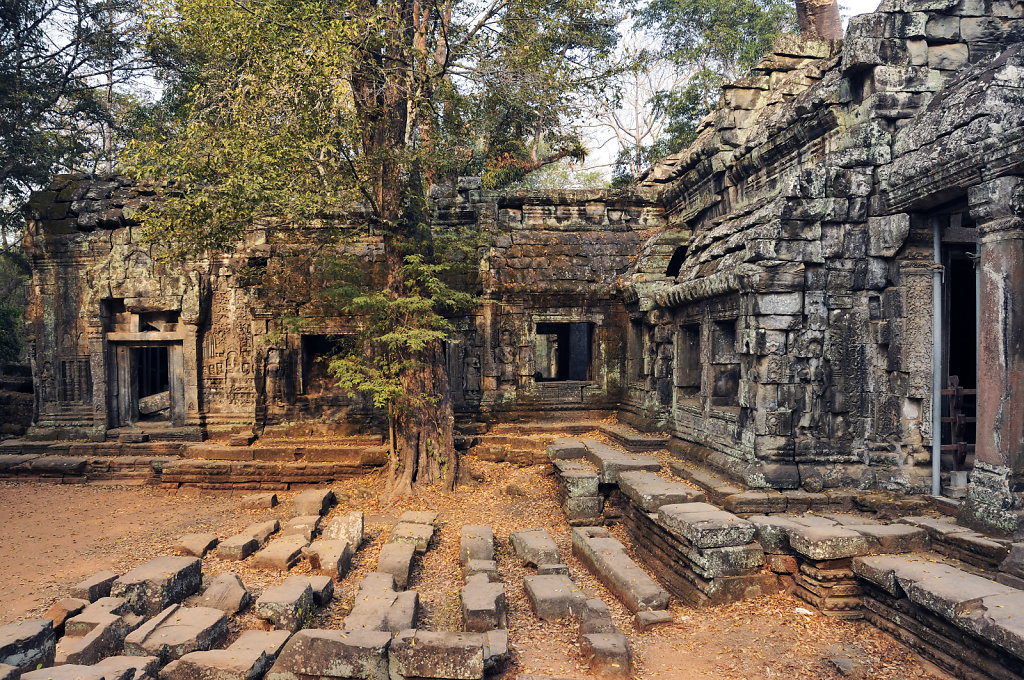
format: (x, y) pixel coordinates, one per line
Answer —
(343, 112)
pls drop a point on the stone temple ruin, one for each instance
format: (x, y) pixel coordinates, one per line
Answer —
(818, 306)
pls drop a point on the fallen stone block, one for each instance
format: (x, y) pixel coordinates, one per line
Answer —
(347, 527)
(323, 590)
(595, 617)
(566, 448)
(583, 509)
(305, 526)
(648, 619)
(705, 526)
(313, 653)
(607, 654)
(893, 538)
(419, 517)
(176, 631)
(197, 545)
(546, 569)
(402, 612)
(259, 501)
(314, 502)
(248, 541)
(430, 654)
(396, 559)
(553, 597)
(782, 564)
(484, 606)
(140, 667)
(487, 567)
(329, 557)
(151, 587)
(261, 531)
(281, 553)
(289, 605)
(373, 600)
(62, 610)
(28, 644)
(227, 593)
(96, 586)
(647, 491)
(415, 534)
(94, 636)
(753, 501)
(8, 672)
(476, 543)
(578, 478)
(828, 543)
(607, 558)
(248, 658)
(76, 672)
(610, 461)
(535, 546)
(95, 614)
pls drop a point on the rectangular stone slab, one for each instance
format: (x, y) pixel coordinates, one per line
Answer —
(535, 546)
(484, 606)
(649, 492)
(429, 654)
(566, 448)
(610, 461)
(313, 502)
(346, 527)
(305, 526)
(705, 529)
(419, 517)
(475, 543)
(414, 533)
(281, 553)
(288, 605)
(373, 601)
(152, 587)
(313, 653)
(553, 596)
(94, 587)
(329, 557)
(396, 559)
(828, 543)
(606, 557)
(246, 659)
(27, 644)
(176, 631)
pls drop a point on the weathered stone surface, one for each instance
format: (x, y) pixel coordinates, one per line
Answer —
(61, 610)
(401, 614)
(476, 543)
(258, 501)
(547, 569)
(487, 567)
(323, 589)
(96, 586)
(227, 593)
(140, 667)
(304, 526)
(607, 558)
(610, 462)
(1013, 564)
(595, 617)
(77, 672)
(828, 543)
(176, 631)
(281, 553)
(429, 654)
(396, 559)
(28, 644)
(583, 509)
(648, 619)
(8, 672)
(419, 517)
(329, 557)
(151, 587)
(347, 527)
(415, 534)
(237, 547)
(93, 635)
(373, 601)
(607, 654)
(578, 477)
(893, 538)
(649, 492)
(197, 545)
(553, 597)
(313, 653)
(484, 606)
(289, 605)
(535, 546)
(313, 502)
(247, 658)
(565, 448)
(772, 532)
(705, 526)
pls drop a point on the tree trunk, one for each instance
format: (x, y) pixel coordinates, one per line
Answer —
(819, 18)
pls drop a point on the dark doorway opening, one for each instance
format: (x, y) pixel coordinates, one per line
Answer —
(153, 387)
(317, 352)
(959, 403)
(562, 351)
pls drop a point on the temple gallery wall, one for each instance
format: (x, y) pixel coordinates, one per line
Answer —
(824, 291)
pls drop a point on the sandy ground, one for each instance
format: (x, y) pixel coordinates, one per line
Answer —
(54, 536)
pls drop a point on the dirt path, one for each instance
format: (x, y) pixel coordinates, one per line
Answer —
(55, 535)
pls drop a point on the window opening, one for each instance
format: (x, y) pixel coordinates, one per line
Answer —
(562, 351)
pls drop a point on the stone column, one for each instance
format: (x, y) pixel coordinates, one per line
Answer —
(995, 500)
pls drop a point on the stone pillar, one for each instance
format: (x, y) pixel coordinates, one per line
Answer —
(995, 500)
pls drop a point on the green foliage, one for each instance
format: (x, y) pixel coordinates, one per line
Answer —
(715, 41)
(14, 272)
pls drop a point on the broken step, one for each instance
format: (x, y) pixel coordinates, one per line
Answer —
(484, 606)
(606, 557)
(153, 586)
(248, 541)
(176, 631)
(553, 596)
(535, 547)
(289, 605)
(247, 658)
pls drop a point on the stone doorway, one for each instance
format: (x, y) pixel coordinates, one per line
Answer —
(147, 384)
(563, 351)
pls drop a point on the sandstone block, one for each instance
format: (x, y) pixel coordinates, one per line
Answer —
(553, 597)
(484, 606)
(649, 492)
(329, 558)
(401, 615)
(547, 569)
(610, 462)
(828, 543)
(281, 553)
(476, 543)
(323, 589)
(313, 653)
(396, 559)
(288, 605)
(415, 534)
(705, 528)
(96, 586)
(893, 538)
(227, 593)
(305, 526)
(578, 477)
(104, 636)
(372, 604)
(648, 619)
(237, 547)
(247, 658)
(176, 631)
(314, 502)
(607, 558)
(565, 448)
(595, 617)
(140, 667)
(429, 654)
(62, 610)
(197, 545)
(259, 501)
(28, 644)
(486, 567)
(347, 527)
(151, 587)
(535, 546)
(419, 517)
(607, 654)
(580, 508)
(76, 672)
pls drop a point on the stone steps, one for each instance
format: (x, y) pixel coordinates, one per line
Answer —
(256, 475)
(79, 469)
(353, 452)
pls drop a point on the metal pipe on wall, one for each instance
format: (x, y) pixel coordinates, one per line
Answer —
(937, 359)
